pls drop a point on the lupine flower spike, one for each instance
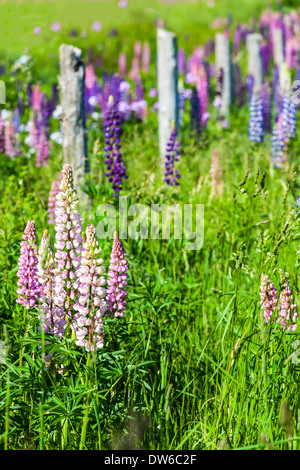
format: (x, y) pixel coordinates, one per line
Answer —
(268, 297)
(287, 309)
(29, 287)
(68, 242)
(52, 317)
(172, 156)
(118, 267)
(91, 305)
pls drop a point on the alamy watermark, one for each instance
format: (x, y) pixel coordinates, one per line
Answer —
(157, 221)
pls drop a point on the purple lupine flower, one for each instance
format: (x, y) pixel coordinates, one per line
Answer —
(250, 86)
(117, 274)
(202, 90)
(116, 169)
(172, 156)
(256, 118)
(277, 97)
(68, 228)
(278, 142)
(267, 108)
(96, 26)
(237, 38)
(195, 122)
(37, 30)
(265, 55)
(268, 297)
(52, 317)
(56, 26)
(181, 61)
(90, 306)
(29, 288)
(239, 87)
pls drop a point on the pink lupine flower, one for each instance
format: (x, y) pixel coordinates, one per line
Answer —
(42, 156)
(52, 317)
(10, 140)
(146, 57)
(52, 202)
(56, 26)
(36, 98)
(202, 89)
(29, 287)
(118, 267)
(91, 305)
(33, 134)
(287, 313)
(68, 238)
(96, 26)
(90, 76)
(268, 298)
(122, 64)
(2, 131)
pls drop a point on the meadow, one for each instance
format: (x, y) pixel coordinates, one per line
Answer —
(193, 363)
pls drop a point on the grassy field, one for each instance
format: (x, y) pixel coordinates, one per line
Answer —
(191, 365)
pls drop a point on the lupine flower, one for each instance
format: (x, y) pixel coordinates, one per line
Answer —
(172, 156)
(118, 268)
(113, 157)
(122, 64)
(267, 109)
(42, 156)
(29, 288)
(146, 57)
(68, 238)
(202, 89)
(195, 122)
(268, 297)
(91, 305)
(239, 88)
(256, 118)
(52, 317)
(181, 61)
(36, 98)
(287, 314)
(10, 140)
(37, 30)
(52, 200)
(2, 130)
(96, 26)
(278, 142)
(56, 26)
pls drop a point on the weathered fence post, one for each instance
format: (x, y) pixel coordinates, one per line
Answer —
(224, 62)
(255, 67)
(71, 83)
(167, 74)
(278, 46)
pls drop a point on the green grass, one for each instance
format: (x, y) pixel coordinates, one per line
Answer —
(190, 366)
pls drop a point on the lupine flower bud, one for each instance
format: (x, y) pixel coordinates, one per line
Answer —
(29, 287)
(91, 305)
(118, 267)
